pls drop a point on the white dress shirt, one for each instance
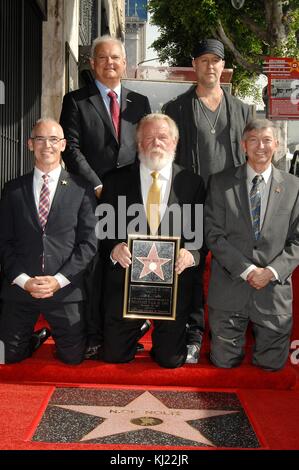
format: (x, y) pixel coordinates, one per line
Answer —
(37, 186)
(38, 182)
(264, 192)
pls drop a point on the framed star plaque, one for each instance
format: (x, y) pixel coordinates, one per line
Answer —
(151, 281)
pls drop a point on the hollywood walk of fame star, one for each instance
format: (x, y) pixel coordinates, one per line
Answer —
(152, 263)
(146, 411)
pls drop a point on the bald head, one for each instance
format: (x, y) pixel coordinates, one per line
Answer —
(47, 142)
(47, 122)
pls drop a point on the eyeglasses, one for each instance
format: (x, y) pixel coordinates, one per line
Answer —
(52, 140)
(113, 58)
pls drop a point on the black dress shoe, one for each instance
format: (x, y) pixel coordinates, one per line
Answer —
(38, 338)
(93, 352)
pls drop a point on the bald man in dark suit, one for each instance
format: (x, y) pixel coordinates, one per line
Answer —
(47, 240)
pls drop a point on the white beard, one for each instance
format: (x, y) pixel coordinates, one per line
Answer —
(156, 162)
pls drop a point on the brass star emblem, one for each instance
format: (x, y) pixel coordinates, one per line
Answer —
(152, 263)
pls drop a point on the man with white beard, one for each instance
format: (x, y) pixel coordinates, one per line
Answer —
(157, 137)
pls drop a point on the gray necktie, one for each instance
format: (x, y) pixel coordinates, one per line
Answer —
(255, 203)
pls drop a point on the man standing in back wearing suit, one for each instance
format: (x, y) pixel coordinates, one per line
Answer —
(47, 239)
(96, 140)
(99, 123)
(252, 230)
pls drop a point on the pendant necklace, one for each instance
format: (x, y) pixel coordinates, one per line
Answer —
(212, 126)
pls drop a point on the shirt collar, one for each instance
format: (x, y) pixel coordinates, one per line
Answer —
(251, 173)
(165, 173)
(104, 90)
(53, 174)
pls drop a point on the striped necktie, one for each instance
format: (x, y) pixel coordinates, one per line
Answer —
(153, 203)
(255, 203)
(44, 202)
(44, 208)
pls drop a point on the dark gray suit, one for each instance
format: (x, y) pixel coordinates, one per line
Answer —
(229, 235)
(68, 243)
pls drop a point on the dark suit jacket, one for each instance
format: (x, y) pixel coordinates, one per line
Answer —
(68, 242)
(92, 146)
(186, 188)
(181, 111)
(230, 237)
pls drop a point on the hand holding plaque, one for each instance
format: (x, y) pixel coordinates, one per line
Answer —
(121, 255)
(185, 260)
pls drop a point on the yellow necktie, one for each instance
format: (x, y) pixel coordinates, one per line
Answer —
(153, 203)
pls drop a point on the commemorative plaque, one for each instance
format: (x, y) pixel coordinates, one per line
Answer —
(151, 281)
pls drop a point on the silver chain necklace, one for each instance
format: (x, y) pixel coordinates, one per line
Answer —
(212, 126)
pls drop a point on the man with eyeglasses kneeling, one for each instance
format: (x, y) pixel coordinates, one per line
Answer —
(47, 239)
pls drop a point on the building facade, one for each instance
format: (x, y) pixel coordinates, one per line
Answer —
(136, 19)
(43, 44)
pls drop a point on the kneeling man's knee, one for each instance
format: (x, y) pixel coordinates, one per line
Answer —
(12, 357)
(225, 352)
(169, 362)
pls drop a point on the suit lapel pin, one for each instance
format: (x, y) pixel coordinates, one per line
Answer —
(277, 190)
(64, 182)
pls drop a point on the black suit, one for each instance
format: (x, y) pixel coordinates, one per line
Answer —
(92, 146)
(92, 150)
(121, 335)
(68, 243)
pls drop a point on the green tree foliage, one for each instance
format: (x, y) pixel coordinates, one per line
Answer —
(260, 28)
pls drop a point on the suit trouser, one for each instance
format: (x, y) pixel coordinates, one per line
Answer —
(271, 333)
(122, 334)
(169, 342)
(17, 324)
(94, 316)
(195, 321)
